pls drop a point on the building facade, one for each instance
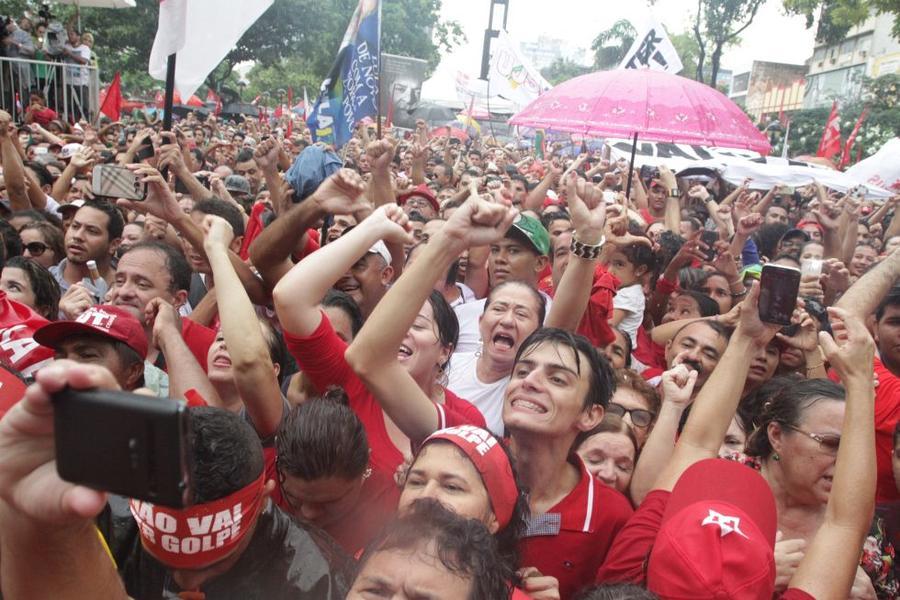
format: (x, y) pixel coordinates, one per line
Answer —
(836, 71)
(769, 89)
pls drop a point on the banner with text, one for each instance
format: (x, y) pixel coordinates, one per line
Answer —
(653, 49)
(350, 92)
(512, 76)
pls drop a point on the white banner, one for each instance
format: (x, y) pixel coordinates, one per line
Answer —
(653, 49)
(512, 76)
(882, 168)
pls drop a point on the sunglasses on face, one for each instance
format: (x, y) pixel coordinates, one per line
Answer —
(639, 416)
(36, 248)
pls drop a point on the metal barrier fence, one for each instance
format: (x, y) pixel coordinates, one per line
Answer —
(71, 90)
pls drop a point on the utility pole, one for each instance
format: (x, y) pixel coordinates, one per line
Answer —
(490, 33)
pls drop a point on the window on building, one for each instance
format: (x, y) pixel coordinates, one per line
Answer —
(847, 48)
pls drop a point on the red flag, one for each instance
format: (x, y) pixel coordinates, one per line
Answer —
(279, 110)
(290, 125)
(111, 105)
(211, 96)
(848, 148)
(830, 143)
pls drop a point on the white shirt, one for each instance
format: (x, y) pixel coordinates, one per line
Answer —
(78, 75)
(487, 397)
(631, 300)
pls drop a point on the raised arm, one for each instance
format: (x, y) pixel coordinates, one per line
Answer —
(160, 202)
(717, 402)
(588, 211)
(254, 373)
(185, 373)
(50, 546)
(828, 569)
(13, 169)
(271, 250)
(373, 354)
(866, 293)
(81, 161)
(677, 388)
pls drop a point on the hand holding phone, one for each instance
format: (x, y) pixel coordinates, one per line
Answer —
(124, 443)
(114, 181)
(778, 290)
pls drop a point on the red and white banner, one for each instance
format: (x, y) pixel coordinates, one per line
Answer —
(831, 137)
(200, 33)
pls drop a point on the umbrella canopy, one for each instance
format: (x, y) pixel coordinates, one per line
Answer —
(100, 3)
(655, 105)
(432, 113)
(455, 132)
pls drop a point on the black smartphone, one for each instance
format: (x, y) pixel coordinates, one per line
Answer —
(123, 443)
(778, 290)
(649, 172)
(145, 151)
(709, 238)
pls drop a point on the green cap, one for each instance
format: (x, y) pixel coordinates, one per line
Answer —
(530, 230)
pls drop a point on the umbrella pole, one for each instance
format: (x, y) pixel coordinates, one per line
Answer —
(631, 167)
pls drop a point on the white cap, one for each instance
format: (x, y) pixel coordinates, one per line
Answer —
(69, 150)
(381, 250)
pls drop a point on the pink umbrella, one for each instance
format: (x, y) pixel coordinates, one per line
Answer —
(653, 105)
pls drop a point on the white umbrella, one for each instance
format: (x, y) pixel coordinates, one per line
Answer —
(97, 4)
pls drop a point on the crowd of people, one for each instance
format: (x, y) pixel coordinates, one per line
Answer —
(424, 368)
(45, 68)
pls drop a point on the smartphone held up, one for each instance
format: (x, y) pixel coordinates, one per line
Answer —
(778, 290)
(124, 443)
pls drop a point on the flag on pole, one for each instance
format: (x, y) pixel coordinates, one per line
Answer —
(201, 33)
(305, 105)
(653, 50)
(848, 148)
(350, 92)
(511, 75)
(830, 144)
(111, 104)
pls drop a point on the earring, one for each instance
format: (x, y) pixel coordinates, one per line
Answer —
(776, 457)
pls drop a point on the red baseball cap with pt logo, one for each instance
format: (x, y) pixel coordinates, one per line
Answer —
(103, 320)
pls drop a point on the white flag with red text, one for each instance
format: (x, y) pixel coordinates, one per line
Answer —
(201, 33)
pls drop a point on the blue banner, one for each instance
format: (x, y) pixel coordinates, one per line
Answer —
(350, 92)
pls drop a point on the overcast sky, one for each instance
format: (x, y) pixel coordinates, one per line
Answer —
(772, 36)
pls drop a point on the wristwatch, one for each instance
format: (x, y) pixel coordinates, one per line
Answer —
(674, 193)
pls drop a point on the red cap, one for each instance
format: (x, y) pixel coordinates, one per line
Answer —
(490, 461)
(104, 320)
(717, 536)
(423, 191)
(815, 224)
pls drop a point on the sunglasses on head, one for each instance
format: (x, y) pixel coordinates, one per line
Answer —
(36, 248)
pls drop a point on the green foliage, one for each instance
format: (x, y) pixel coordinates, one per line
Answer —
(836, 17)
(611, 45)
(294, 40)
(563, 69)
(688, 51)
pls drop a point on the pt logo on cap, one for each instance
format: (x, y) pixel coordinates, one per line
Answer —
(726, 524)
(98, 318)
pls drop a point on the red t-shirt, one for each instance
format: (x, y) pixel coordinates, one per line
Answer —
(649, 352)
(626, 559)
(321, 357)
(594, 323)
(17, 346)
(198, 339)
(571, 540)
(887, 413)
(42, 116)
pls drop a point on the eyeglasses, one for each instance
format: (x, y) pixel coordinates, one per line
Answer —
(828, 442)
(639, 416)
(36, 248)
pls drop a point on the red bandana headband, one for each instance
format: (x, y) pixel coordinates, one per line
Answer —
(203, 534)
(491, 462)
